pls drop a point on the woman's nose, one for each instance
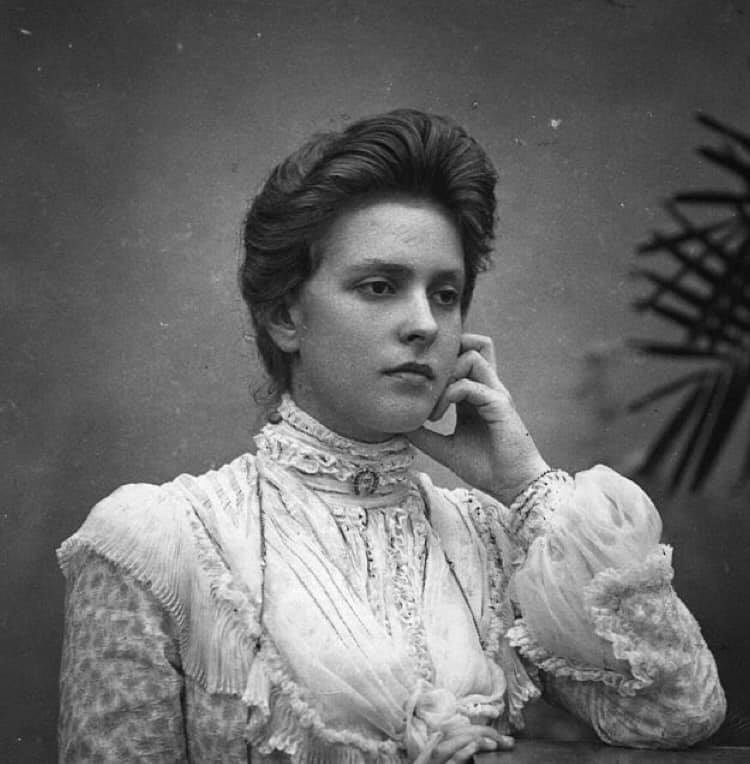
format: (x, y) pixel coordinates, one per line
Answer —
(418, 323)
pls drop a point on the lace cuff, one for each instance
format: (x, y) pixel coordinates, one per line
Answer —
(530, 510)
(638, 612)
(652, 635)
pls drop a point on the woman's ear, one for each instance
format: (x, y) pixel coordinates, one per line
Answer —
(283, 324)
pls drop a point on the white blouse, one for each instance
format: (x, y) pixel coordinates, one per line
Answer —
(320, 601)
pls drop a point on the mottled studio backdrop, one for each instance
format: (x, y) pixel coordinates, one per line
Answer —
(134, 133)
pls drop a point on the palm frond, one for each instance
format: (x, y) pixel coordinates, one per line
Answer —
(740, 138)
(666, 390)
(721, 198)
(727, 159)
(707, 298)
(667, 350)
(735, 391)
(663, 444)
(705, 405)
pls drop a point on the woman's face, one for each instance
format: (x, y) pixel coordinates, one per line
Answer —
(377, 327)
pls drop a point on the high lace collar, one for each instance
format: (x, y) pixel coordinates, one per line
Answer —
(329, 462)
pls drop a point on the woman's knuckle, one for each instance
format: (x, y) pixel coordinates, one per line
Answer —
(506, 401)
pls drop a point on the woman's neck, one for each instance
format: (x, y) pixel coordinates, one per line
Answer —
(327, 460)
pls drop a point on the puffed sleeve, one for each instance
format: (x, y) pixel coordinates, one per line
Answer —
(599, 617)
(120, 680)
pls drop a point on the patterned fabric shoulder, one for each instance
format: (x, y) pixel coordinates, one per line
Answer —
(167, 538)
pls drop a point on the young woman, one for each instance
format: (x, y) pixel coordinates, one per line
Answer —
(320, 601)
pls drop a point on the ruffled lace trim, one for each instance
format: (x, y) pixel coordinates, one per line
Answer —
(520, 638)
(533, 506)
(236, 629)
(639, 613)
(408, 610)
(218, 634)
(289, 451)
(283, 719)
(632, 627)
(498, 619)
(519, 687)
(303, 444)
(319, 433)
(219, 670)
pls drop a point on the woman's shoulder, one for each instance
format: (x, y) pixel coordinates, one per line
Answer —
(223, 485)
(227, 487)
(139, 520)
(191, 543)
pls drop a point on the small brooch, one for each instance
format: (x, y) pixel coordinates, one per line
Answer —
(366, 481)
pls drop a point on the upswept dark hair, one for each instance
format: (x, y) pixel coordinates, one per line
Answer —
(405, 152)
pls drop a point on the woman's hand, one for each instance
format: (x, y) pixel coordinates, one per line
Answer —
(462, 745)
(490, 449)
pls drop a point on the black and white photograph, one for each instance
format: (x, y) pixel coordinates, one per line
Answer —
(375, 381)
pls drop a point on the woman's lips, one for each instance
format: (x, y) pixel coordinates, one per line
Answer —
(413, 373)
(412, 377)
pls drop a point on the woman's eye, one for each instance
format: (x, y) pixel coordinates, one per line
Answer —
(447, 297)
(377, 288)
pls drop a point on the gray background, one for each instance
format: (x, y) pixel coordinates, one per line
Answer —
(134, 134)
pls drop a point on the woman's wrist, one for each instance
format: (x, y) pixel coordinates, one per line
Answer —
(532, 507)
(510, 490)
(538, 488)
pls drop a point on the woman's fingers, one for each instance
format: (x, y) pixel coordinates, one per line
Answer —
(473, 365)
(491, 738)
(464, 754)
(451, 749)
(505, 743)
(461, 746)
(489, 402)
(476, 363)
(461, 390)
(481, 344)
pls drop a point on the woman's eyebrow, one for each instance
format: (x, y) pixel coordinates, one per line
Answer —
(370, 264)
(388, 268)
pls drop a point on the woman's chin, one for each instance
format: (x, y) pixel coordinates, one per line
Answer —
(400, 423)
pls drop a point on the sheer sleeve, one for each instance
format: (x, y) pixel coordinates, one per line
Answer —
(120, 682)
(599, 617)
